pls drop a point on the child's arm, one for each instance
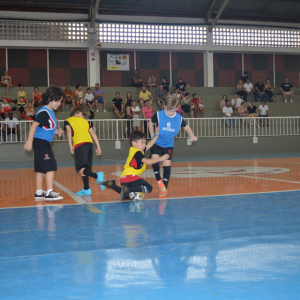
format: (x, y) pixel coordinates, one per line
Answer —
(69, 136)
(152, 161)
(152, 142)
(189, 131)
(95, 138)
(150, 128)
(28, 144)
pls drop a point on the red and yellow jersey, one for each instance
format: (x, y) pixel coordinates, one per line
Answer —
(134, 166)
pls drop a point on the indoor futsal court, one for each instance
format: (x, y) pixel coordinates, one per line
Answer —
(228, 230)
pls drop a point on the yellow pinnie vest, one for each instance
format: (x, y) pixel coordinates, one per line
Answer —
(80, 128)
(131, 167)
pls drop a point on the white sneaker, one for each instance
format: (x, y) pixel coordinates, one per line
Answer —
(285, 100)
(97, 110)
(104, 110)
(292, 101)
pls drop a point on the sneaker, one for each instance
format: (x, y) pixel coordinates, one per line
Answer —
(124, 191)
(285, 100)
(104, 110)
(97, 110)
(52, 196)
(163, 194)
(292, 101)
(40, 197)
(84, 192)
(107, 183)
(101, 178)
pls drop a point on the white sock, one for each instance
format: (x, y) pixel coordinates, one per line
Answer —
(48, 191)
(39, 192)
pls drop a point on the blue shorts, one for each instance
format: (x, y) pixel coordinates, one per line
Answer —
(119, 109)
(100, 100)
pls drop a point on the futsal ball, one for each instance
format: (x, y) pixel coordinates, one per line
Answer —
(136, 196)
(7, 109)
(23, 116)
(9, 100)
(38, 97)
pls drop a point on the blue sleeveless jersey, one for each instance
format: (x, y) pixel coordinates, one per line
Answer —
(168, 128)
(46, 132)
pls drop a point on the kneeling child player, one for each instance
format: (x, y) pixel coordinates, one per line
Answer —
(79, 130)
(133, 186)
(169, 123)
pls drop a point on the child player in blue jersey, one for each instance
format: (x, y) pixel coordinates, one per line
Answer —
(41, 134)
(169, 123)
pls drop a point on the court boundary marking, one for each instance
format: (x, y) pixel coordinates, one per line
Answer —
(151, 199)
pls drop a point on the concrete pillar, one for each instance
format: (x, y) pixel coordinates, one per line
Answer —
(208, 57)
(93, 66)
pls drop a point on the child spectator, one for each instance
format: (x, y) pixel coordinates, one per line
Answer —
(91, 116)
(21, 107)
(68, 98)
(89, 99)
(151, 82)
(147, 114)
(135, 110)
(3, 105)
(194, 106)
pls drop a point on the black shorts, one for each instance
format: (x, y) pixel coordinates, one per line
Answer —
(83, 156)
(44, 160)
(142, 182)
(155, 149)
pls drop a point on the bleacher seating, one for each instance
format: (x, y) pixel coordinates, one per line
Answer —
(211, 97)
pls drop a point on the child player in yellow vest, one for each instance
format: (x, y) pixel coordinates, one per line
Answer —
(133, 186)
(79, 130)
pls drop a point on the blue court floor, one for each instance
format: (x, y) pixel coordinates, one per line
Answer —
(225, 247)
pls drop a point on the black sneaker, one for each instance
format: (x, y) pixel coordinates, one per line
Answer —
(40, 196)
(107, 183)
(52, 196)
(124, 192)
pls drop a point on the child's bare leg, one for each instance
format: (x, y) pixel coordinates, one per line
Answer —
(49, 180)
(39, 181)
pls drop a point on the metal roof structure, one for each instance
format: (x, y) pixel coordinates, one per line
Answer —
(255, 10)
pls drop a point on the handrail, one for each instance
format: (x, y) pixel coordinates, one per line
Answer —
(118, 129)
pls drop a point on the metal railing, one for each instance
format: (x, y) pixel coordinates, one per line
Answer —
(116, 130)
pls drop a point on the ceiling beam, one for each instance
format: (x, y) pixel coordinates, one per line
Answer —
(93, 11)
(208, 14)
(218, 16)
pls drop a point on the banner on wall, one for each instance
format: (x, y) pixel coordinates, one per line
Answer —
(118, 62)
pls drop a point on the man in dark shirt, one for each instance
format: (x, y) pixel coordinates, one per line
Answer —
(180, 87)
(118, 106)
(287, 89)
(137, 80)
(260, 91)
(245, 77)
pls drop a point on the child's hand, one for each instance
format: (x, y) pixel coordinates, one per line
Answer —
(157, 131)
(98, 151)
(165, 157)
(193, 138)
(28, 146)
(72, 149)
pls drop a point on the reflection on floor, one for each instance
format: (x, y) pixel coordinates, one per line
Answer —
(226, 246)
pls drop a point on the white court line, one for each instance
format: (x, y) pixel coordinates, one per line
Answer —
(277, 162)
(171, 198)
(77, 198)
(70, 193)
(270, 179)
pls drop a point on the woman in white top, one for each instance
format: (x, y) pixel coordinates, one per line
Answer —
(6, 81)
(135, 110)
